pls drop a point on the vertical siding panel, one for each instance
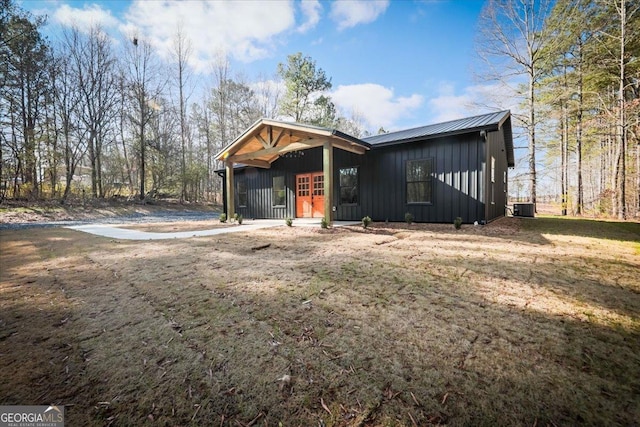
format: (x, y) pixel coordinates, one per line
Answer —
(427, 209)
(480, 158)
(382, 170)
(473, 181)
(365, 183)
(470, 188)
(448, 191)
(470, 182)
(368, 183)
(464, 182)
(496, 149)
(461, 180)
(440, 200)
(434, 155)
(389, 205)
(455, 177)
(397, 202)
(482, 173)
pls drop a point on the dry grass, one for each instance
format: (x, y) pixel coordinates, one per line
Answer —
(173, 227)
(517, 323)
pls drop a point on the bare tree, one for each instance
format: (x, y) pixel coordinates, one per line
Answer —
(625, 11)
(618, 40)
(201, 117)
(96, 77)
(268, 93)
(144, 90)
(122, 120)
(67, 102)
(181, 53)
(511, 43)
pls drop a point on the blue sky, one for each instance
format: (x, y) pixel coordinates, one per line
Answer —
(397, 64)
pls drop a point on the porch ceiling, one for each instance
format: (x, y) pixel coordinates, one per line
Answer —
(266, 140)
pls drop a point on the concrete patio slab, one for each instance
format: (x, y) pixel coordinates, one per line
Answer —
(114, 232)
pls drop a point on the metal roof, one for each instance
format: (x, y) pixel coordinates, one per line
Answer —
(490, 122)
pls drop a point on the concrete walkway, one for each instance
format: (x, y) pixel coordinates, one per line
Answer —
(112, 231)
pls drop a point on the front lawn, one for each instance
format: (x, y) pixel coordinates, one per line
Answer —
(521, 322)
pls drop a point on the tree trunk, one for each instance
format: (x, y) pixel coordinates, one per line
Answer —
(99, 168)
(564, 148)
(92, 160)
(142, 150)
(580, 201)
(637, 179)
(68, 163)
(532, 140)
(622, 211)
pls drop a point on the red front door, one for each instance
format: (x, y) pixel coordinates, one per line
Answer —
(310, 195)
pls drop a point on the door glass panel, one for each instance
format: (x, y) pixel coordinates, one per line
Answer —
(318, 185)
(303, 186)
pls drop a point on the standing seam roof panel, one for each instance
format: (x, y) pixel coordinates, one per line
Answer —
(454, 126)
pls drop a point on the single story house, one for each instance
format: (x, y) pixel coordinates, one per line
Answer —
(438, 172)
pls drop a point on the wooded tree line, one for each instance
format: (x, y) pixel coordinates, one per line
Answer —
(575, 66)
(86, 115)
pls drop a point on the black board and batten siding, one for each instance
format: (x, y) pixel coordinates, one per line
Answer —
(459, 168)
(497, 190)
(456, 181)
(461, 178)
(260, 184)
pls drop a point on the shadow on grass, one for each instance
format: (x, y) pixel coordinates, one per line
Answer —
(206, 333)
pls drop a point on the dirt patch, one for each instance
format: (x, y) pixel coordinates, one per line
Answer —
(520, 322)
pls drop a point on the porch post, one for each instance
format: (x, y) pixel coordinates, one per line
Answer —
(327, 169)
(230, 190)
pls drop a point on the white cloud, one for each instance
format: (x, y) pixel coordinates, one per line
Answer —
(311, 10)
(349, 13)
(85, 18)
(448, 105)
(476, 99)
(245, 30)
(376, 103)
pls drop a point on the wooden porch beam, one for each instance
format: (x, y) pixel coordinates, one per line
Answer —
(278, 138)
(347, 146)
(327, 169)
(257, 163)
(230, 189)
(295, 146)
(264, 143)
(270, 142)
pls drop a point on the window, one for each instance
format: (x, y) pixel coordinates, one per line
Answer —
(493, 169)
(419, 181)
(278, 191)
(349, 186)
(493, 180)
(242, 194)
(504, 180)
